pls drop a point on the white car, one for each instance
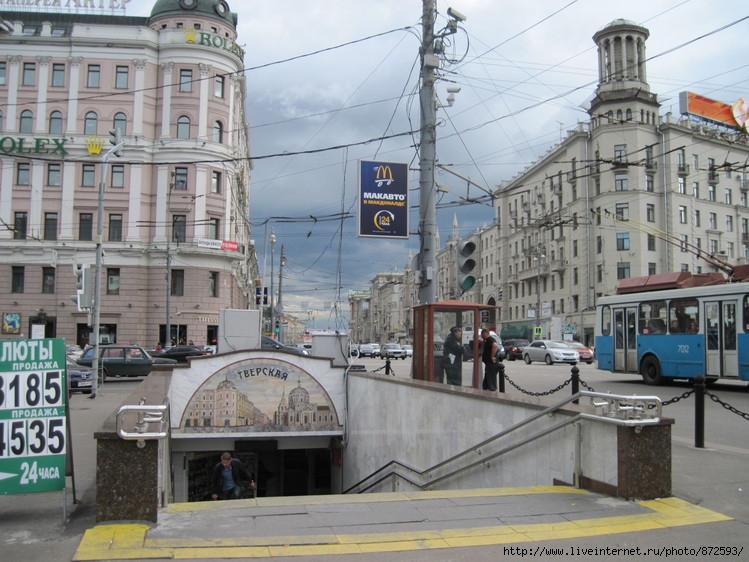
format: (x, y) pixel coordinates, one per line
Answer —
(409, 349)
(550, 352)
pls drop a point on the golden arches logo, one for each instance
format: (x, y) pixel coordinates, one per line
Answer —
(383, 174)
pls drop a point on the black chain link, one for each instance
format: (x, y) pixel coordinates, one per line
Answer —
(586, 386)
(675, 399)
(728, 407)
(547, 393)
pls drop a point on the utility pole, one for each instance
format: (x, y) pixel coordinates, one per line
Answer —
(92, 144)
(427, 156)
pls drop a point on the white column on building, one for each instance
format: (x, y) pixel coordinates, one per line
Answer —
(6, 196)
(134, 203)
(166, 100)
(205, 71)
(11, 117)
(138, 96)
(67, 202)
(162, 213)
(41, 93)
(75, 71)
(36, 220)
(201, 200)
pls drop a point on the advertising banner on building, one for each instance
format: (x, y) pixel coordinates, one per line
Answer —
(735, 115)
(33, 402)
(383, 199)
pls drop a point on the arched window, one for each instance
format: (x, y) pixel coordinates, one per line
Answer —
(183, 127)
(91, 123)
(27, 119)
(619, 115)
(218, 131)
(55, 123)
(629, 115)
(120, 122)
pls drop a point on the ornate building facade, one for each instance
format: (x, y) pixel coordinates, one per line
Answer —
(175, 233)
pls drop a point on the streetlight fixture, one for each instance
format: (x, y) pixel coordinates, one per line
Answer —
(272, 259)
(280, 305)
(538, 257)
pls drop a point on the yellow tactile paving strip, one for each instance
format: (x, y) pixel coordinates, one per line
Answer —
(131, 542)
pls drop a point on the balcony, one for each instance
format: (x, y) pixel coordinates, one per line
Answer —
(713, 177)
(682, 169)
(651, 165)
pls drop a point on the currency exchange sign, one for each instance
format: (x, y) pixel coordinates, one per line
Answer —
(383, 199)
(33, 403)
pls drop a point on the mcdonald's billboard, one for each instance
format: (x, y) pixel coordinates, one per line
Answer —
(383, 199)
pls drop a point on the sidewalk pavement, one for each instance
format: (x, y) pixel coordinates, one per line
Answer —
(709, 508)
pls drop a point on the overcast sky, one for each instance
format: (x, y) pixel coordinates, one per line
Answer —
(526, 75)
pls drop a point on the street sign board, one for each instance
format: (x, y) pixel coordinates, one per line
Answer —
(33, 403)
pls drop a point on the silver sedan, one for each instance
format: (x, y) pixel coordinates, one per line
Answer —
(549, 351)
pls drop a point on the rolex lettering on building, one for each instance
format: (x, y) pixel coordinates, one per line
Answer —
(176, 199)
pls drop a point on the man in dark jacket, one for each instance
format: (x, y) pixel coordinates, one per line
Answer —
(226, 477)
(452, 356)
(489, 358)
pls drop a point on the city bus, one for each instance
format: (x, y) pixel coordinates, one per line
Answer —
(679, 333)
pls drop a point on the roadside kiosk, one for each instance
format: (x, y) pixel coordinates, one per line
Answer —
(432, 323)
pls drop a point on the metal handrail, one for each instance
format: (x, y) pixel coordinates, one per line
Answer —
(634, 411)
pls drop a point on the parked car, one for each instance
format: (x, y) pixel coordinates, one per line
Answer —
(550, 351)
(514, 348)
(122, 361)
(366, 350)
(80, 378)
(271, 344)
(375, 350)
(586, 354)
(392, 351)
(179, 353)
(353, 350)
(409, 349)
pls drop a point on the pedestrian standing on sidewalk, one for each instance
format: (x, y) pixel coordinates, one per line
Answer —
(490, 360)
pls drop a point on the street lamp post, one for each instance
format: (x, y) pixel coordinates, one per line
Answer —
(538, 257)
(272, 259)
(280, 303)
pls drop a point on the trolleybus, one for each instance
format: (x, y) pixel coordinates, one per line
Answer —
(676, 333)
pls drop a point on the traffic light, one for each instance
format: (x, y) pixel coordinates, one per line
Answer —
(277, 329)
(258, 295)
(116, 140)
(84, 287)
(466, 264)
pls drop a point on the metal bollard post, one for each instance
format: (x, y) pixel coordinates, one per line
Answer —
(699, 411)
(575, 382)
(501, 377)
(387, 365)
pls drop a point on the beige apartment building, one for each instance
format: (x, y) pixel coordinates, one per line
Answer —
(175, 204)
(631, 192)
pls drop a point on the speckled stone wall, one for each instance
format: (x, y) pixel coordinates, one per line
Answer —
(644, 462)
(127, 476)
(126, 480)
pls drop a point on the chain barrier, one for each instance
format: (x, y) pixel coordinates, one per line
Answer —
(728, 407)
(675, 399)
(547, 393)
